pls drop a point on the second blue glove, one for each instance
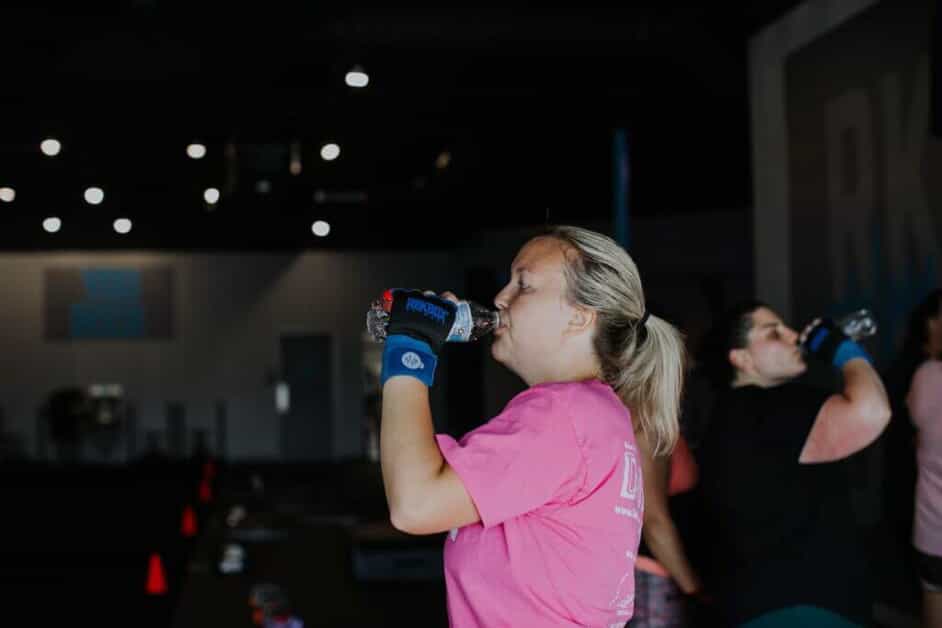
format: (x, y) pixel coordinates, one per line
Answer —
(828, 343)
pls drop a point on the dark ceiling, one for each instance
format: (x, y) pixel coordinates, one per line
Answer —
(524, 101)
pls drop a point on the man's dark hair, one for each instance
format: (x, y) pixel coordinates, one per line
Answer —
(729, 331)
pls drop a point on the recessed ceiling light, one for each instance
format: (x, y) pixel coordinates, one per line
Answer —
(50, 147)
(211, 196)
(122, 225)
(357, 78)
(330, 152)
(7, 195)
(52, 224)
(320, 228)
(94, 196)
(196, 151)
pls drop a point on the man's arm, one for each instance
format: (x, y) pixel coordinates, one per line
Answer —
(851, 420)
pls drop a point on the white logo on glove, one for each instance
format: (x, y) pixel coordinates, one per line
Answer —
(412, 361)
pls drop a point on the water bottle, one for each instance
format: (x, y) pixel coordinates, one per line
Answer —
(472, 321)
(858, 325)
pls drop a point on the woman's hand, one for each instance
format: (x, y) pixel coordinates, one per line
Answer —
(422, 316)
(449, 296)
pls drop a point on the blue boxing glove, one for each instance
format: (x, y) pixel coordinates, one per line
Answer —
(419, 324)
(826, 342)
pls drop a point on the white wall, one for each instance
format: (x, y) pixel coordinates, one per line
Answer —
(229, 313)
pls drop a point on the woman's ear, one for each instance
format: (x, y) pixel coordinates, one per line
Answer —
(582, 318)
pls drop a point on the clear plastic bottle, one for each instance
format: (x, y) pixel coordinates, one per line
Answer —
(858, 325)
(472, 321)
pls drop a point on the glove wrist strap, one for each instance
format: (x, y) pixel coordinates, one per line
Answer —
(847, 351)
(404, 355)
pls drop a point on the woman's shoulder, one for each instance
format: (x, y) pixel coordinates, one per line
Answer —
(925, 392)
(928, 373)
(564, 396)
(567, 389)
(930, 367)
(538, 399)
(589, 391)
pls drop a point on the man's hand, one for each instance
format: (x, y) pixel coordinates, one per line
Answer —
(823, 341)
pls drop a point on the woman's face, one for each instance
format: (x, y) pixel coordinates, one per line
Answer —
(534, 311)
(772, 355)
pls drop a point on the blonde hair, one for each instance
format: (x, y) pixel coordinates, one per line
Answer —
(644, 367)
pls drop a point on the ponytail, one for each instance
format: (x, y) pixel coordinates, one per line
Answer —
(649, 378)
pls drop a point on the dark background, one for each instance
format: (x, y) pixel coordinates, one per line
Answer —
(525, 101)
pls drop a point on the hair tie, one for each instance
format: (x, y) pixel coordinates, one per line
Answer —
(640, 328)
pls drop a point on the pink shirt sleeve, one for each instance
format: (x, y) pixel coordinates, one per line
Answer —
(525, 458)
(925, 394)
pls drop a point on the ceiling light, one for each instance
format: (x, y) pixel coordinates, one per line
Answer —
(294, 165)
(320, 228)
(443, 159)
(357, 77)
(94, 196)
(211, 196)
(50, 147)
(122, 225)
(7, 195)
(330, 152)
(52, 224)
(196, 151)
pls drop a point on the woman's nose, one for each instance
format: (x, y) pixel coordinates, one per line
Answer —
(500, 301)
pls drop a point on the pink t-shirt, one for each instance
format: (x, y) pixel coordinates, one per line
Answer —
(925, 408)
(556, 479)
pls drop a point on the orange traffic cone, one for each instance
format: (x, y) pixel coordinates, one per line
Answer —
(206, 491)
(188, 524)
(156, 580)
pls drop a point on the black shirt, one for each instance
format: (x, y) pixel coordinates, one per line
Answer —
(780, 533)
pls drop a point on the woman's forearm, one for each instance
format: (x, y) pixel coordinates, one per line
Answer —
(665, 544)
(409, 456)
